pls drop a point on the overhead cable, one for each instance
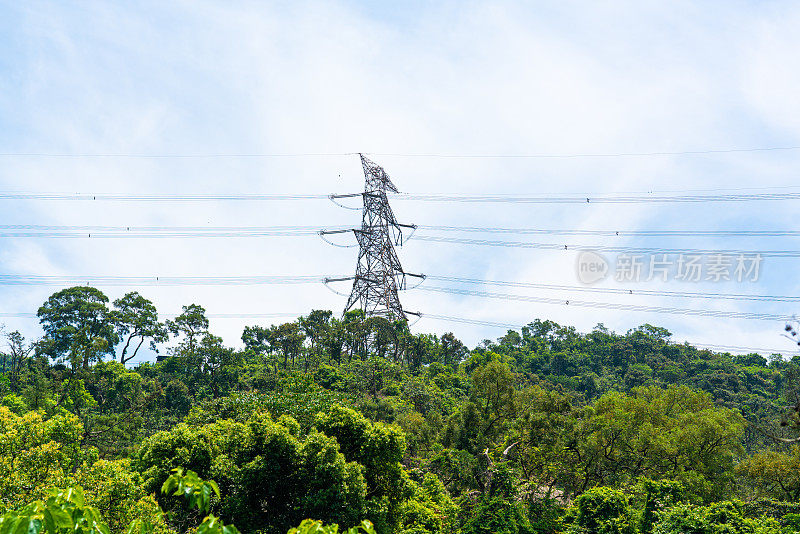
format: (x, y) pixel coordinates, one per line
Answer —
(610, 249)
(611, 306)
(620, 291)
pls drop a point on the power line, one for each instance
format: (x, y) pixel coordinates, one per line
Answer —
(28, 280)
(621, 291)
(128, 228)
(614, 249)
(11, 195)
(545, 199)
(149, 235)
(311, 279)
(464, 320)
(400, 154)
(218, 155)
(736, 348)
(105, 231)
(166, 234)
(612, 306)
(584, 155)
(611, 199)
(613, 233)
(113, 232)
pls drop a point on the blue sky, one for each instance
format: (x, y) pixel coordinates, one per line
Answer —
(450, 77)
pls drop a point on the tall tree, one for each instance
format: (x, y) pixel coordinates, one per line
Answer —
(452, 350)
(257, 339)
(78, 326)
(18, 353)
(316, 325)
(136, 318)
(192, 324)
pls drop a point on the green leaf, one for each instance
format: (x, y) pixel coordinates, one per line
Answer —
(214, 487)
(34, 526)
(135, 527)
(209, 525)
(74, 495)
(49, 522)
(61, 518)
(8, 523)
(22, 525)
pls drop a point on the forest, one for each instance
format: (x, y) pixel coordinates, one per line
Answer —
(325, 424)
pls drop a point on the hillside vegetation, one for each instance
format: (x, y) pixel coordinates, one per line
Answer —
(545, 429)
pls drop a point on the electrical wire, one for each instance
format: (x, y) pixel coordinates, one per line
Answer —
(611, 306)
(581, 155)
(10, 195)
(544, 199)
(148, 232)
(621, 291)
(611, 199)
(738, 348)
(151, 235)
(615, 249)
(104, 231)
(613, 233)
(28, 280)
(129, 228)
(174, 155)
(401, 154)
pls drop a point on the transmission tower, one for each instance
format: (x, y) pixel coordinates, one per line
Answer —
(379, 274)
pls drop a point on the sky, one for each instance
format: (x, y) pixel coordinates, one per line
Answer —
(219, 83)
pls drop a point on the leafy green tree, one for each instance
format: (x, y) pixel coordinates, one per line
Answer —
(78, 326)
(36, 453)
(603, 510)
(334, 340)
(63, 511)
(176, 398)
(310, 526)
(16, 359)
(198, 494)
(495, 399)
(659, 495)
(136, 318)
(544, 433)
(675, 433)
(429, 509)
(316, 326)
(380, 449)
(498, 510)
(773, 474)
(356, 334)
(192, 324)
(496, 515)
(451, 349)
(271, 477)
(289, 338)
(256, 339)
(722, 517)
(112, 415)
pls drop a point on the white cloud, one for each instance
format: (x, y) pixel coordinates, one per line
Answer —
(499, 77)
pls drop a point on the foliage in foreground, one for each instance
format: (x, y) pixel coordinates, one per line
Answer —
(341, 420)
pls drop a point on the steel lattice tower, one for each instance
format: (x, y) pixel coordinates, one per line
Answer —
(379, 274)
